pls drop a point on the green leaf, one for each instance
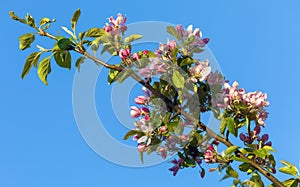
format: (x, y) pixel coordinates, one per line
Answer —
(75, 18)
(95, 32)
(44, 69)
(256, 179)
(63, 58)
(231, 172)
(187, 61)
(189, 40)
(197, 50)
(272, 160)
(63, 43)
(112, 75)
(223, 126)
(44, 21)
(288, 168)
(68, 31)
(262, 153)
(291, 182)
(26, 40)
(132, 38)
(79, 61)
(224, 177)
(171, 30)
(30, 21)
(231, 149)
(269, 148)
(178, 79)
(239, 159)
(244, 167)
(15, 17)
(231, 126)
(32, 59)
(124, 75)
(132, 133)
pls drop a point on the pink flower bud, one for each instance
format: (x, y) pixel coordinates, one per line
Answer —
(145, 110)
(135, 56)
(135, 112)
(140, 100)
(145, 52)
(147, 117)
(142, 147)
(124, 53)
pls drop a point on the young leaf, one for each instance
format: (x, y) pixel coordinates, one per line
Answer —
(132, 133)
(15, 17)
(63, 58)
(288, 168)
(244, 167)
(30, 21)
(32, 59)
(25, 40)
(178, 79)
(124, 75)
(132, 37)
(231, 149)
(95, 32)
(68, 31)
(44, 21)
(44, 69)
(75, 18)
(231, 127)
(79, 61)
(112, 75)
(291, 182)
(231, 172)
(256, 179)
(171, 30)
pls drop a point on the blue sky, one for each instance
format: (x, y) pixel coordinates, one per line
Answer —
(255, 42)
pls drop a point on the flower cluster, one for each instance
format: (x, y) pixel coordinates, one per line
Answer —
(166, 49)
(254, 135)
(193, 38)
(116, 26)
(253, 101)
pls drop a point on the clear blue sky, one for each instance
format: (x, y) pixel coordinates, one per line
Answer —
(255, 42)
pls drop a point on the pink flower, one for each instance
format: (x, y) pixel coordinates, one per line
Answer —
(209, 156)
(200, 71)
(116, 26)
(145, 72)
(140, 100)
(135, 112)
(124, 53)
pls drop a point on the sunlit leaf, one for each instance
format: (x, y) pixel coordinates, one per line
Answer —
(44, 69)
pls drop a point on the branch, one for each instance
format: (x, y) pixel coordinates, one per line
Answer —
(175, 108)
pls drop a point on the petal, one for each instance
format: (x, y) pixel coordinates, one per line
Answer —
(142, 139)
